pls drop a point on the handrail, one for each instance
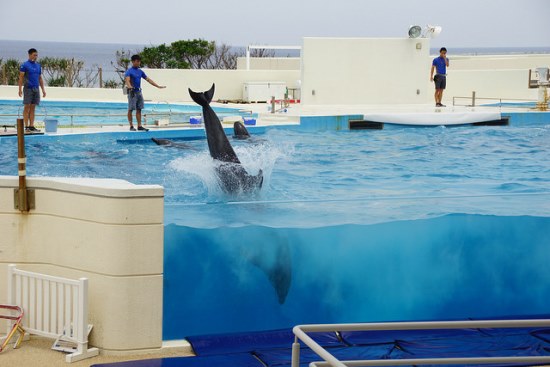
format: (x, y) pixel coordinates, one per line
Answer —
(73, 115)
(102, 114)
(329, 360)
(499, 99)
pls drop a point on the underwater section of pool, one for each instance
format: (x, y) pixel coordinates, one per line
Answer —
(255, 277)
(349, 226)
(106, 113)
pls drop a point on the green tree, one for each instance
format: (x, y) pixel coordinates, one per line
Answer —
(193, 54)
(157, 57)
(122, 62)
(64, 72)
(9, 72)
(111, 84)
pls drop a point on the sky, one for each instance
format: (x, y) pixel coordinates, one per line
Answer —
(465, 23)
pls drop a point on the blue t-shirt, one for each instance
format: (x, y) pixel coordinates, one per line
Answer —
(32, 72)
(440, 66)
(135, 74)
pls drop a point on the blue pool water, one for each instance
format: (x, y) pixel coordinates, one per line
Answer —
(104, 113)
(402, 223)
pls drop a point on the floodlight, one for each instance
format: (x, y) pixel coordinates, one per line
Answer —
(432, 31)
(415, 31)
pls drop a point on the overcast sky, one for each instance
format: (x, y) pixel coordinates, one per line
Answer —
(466, 23)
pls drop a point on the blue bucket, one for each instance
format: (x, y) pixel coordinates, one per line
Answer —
(50, 125)
(249, 121)
(195, 120)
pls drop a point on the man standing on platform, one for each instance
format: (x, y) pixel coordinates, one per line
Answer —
(132, 82)
(30, 74)
(440, 64)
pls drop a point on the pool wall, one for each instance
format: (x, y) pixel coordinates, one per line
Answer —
(109, 231)
(455, 266)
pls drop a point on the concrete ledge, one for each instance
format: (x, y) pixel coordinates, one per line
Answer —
(109, 231)
(90, 186)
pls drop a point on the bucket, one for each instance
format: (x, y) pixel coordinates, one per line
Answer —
(249, 121)
(195, 120)
(50, 125)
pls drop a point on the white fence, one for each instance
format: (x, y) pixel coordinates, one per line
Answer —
(53, 307)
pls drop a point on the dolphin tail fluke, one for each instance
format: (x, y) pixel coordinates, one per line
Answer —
(203, 98)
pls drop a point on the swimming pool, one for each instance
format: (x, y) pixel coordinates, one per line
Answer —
(105, 113)
(396, 224)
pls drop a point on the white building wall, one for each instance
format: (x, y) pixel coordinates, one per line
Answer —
(270, 63)
(504, 84)
(363, 71)
(229, 85)
(346, 71)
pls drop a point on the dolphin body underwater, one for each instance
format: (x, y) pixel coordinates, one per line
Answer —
(171, 143)
(232, 176)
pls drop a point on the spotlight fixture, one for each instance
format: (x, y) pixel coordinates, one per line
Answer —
(432, 31)
(415, 31)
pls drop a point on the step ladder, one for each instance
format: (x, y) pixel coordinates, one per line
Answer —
(14, 313)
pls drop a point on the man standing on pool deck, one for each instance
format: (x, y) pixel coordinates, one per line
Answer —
(132, 81)
(31, 73)
(440, 64)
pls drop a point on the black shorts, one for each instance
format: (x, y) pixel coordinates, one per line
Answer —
(31, 96)
(440, 81)
(135, 100)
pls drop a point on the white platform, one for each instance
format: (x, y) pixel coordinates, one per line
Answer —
(436, 118)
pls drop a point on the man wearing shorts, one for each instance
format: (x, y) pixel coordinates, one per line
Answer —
(132, 82)
(440, 64)
(30, 74)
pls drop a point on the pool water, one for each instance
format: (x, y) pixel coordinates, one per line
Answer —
(350, 226)
(105, 113)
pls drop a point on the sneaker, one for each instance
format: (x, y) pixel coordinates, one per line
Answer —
(132, 128)
(442, 105)
(141, 128)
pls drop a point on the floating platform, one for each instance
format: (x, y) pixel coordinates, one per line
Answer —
(436, 118)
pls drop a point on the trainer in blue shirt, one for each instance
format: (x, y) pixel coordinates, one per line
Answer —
(132, 81)
(440, 65)
(30, 80)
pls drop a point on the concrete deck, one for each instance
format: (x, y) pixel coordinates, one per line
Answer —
(37, 352)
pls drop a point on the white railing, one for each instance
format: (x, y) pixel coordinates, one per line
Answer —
(300, 333)
(53, 307)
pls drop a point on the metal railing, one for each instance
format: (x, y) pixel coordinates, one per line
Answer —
(497, 100)
(301, 331)
(170, 114)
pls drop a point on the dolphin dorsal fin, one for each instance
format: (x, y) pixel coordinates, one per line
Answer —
(203, 98)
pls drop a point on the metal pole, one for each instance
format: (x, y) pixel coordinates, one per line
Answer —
(273, 104)
(473, 98)
(21, 162)
(100, 72)
(295, 362)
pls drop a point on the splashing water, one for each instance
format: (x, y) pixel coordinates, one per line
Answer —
(199, 169)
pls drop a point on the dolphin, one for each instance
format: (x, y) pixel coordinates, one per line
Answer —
(239, 131)
(232, 175)
(273, 258)
(171, 143)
